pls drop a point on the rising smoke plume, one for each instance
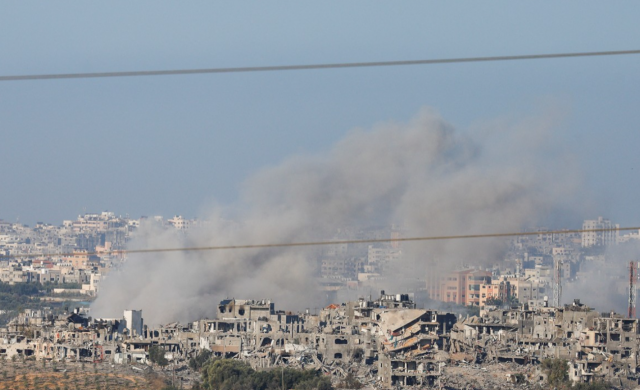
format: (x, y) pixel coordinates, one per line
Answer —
(603, 280)
(422, 175)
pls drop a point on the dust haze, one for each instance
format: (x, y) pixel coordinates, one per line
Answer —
(603, 283)
(423, 175)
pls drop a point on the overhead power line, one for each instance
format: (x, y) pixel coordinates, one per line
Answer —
(309, 66)
(318, 243)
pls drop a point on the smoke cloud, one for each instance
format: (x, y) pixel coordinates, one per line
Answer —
(422, 175)
(603, 281)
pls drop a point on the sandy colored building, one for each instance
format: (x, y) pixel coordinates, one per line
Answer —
(463, 287)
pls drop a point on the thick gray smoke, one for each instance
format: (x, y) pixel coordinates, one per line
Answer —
(603, 283)
(421, 175)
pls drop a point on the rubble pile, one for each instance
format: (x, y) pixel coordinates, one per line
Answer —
(382, 343)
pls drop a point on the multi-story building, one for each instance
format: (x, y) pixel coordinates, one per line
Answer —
(83, 260)
(541, 274)
(377, 255)
(180, 223)
(499, 289)
(526, 290)
(463, 287)
(340, 267)
(599, 238)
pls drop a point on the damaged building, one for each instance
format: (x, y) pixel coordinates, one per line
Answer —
(384, 342)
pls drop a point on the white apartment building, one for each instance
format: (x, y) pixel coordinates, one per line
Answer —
(180, 223)
(382, 255)
(541, 274)
(590, 239)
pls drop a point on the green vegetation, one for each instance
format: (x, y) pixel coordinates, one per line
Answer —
(592, 386)
(48, 286)
(22, 289)
(557, 371)
(14, 298)
(350, 382)
(196, 363)
(229, 374)
(156, 355)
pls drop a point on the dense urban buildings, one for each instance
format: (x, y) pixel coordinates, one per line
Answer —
(77, 252)
(507, 311)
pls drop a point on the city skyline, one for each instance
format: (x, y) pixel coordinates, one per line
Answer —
(211, 195)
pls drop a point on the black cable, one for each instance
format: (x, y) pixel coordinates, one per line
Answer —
(307, 67)
(318, 243)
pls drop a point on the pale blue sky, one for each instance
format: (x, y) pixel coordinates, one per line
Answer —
(172, 145)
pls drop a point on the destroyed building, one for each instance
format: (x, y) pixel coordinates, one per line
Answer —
(384, 342)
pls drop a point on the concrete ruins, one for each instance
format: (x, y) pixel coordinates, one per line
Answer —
(384, 342)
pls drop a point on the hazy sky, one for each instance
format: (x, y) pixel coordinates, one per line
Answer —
(175, 144)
